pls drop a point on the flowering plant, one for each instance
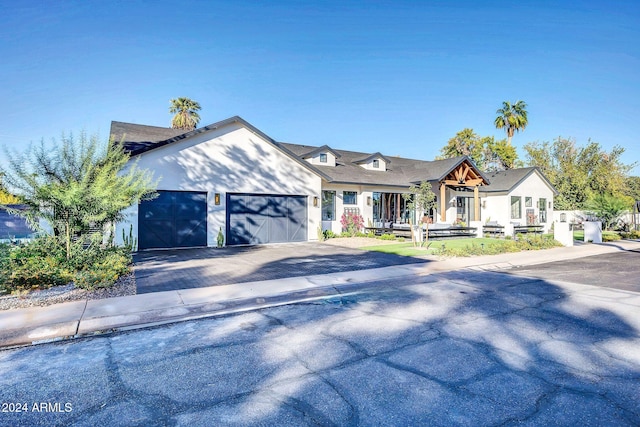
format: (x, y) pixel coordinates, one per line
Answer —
(351, 223)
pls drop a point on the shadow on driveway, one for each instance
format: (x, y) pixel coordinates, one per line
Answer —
(167, 270)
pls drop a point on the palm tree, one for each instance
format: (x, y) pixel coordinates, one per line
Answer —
(186, 116)
(513, 118)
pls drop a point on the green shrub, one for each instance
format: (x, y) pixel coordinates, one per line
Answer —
(633, 234)
(37, 273)
(44, 246)
(42, 263)
(4, 266)
(387, 237)
(329, 234)
(610, 236)
(524, 243)
(103, 273)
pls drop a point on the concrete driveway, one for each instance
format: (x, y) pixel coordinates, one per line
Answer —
(197, 268)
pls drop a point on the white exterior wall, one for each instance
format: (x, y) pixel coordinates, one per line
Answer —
(228, 160)
(315, 160)
(382, 165)
(498, 206)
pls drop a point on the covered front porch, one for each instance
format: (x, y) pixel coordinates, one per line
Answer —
(457, 201)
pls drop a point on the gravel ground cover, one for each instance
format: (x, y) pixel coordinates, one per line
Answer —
(126, 285)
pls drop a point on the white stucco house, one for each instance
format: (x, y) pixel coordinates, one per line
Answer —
(230, 177)
(521, 196)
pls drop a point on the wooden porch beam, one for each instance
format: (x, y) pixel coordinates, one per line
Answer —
(443, 202)
(476, 204)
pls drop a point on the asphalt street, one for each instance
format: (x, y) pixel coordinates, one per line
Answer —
(619, 270)
(460, 348)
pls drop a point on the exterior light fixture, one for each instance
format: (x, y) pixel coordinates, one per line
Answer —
(368, 200)
(216, 198)
(315, 201)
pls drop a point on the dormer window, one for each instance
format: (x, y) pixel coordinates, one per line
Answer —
(375, 162)
(324, 156)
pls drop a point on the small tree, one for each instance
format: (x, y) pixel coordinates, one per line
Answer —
(608, 208)
(420, 199)
(75, 186)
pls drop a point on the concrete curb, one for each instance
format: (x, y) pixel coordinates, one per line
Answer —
(79, 319)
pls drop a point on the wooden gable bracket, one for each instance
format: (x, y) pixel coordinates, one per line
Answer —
(461, 176)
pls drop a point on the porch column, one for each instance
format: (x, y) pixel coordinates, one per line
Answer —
(476, 204)
(443, 203)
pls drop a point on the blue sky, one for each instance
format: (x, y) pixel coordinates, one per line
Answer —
(397, 77)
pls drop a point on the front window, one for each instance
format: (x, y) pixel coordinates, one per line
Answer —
(328, 205)
(528, 202)
(516, 207)
(349, 197)
(323, 158)
(542, 205)
(376, 164)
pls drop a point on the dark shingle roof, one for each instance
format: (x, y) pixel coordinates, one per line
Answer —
(508, 179)
(400, 171)
(376, 155)
(140, 138)
(323, 149)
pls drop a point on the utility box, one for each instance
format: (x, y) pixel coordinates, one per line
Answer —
(592, 231)
(563, 233)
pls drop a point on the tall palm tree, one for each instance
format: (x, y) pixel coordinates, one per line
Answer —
(513, 118)
(186, 116)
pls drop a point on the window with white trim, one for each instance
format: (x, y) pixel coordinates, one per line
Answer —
(516, 207)
(350, 197)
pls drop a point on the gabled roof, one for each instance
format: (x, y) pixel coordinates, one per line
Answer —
(141, 138)
(401, 172)
(372, 157)
(507, 180)
(138, 139)
(320, 150)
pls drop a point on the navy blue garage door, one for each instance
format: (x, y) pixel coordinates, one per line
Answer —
(255, 218)
(175, 219)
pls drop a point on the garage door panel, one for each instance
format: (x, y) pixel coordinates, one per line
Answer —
(278, 231)
(255, 219)
(258, 228)
(298, 225)
(189, 230)
(238, 233)
(173, 219)
(156, 234)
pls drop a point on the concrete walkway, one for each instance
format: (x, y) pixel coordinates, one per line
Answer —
(86, 318)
